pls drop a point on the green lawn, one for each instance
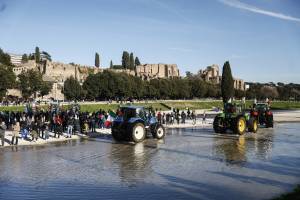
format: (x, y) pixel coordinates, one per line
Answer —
(193, 105)
(166, 105)
(285, 105)
(12, 108)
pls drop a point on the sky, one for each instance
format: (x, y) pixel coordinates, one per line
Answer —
(260, 38)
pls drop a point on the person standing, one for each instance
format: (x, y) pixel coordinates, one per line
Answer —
(34, 133)
(2, 131)
(183, 116)
(59, 127)
(193, 116)
(204, 117)
(188, 113)
(70, 123)
(159, 117)
(15, 133)
(40, 127)
(93, 123)
(164, 118)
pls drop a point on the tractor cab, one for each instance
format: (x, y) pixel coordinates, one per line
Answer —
(233, 108)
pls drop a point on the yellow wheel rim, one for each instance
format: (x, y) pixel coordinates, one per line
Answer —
(255, 125)
(242, 125)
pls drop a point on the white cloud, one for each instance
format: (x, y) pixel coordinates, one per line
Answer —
(244, 6)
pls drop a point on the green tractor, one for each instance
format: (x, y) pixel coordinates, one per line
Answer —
(235, 118)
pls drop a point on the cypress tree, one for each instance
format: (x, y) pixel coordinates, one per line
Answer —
(97, 60)
(131, 61)
(111, 64)
(125, 60)
(137, 61)
(24, 58)
(227, 87)
(37, 55)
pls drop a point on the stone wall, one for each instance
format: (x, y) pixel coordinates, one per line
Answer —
(24, 67)
(150, 71)
(212, 74)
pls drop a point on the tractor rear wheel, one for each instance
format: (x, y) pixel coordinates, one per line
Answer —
(252, 125)
(138, 132)
(218, 125)
(240, 125)
(159, 132)
(269, 121)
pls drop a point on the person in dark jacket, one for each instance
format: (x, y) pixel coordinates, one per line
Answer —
(2, 131)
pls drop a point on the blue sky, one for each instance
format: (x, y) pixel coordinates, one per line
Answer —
(261, 39)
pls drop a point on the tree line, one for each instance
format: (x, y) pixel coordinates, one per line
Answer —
(116, 86)
(279, 91)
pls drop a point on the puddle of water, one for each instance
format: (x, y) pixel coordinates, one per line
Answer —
(187, 164)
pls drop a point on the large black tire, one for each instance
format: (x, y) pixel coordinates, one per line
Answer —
(240, 125)
(218, 125)
(159, 132)
(269, 121)
(138, 132)
(252, 125)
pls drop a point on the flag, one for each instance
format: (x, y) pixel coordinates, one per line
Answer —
(110, 119)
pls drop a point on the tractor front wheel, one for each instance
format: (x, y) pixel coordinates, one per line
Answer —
(240, 125)
(159, 132)
(138, 133)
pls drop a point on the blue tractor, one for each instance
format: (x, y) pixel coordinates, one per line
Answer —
(134, 122)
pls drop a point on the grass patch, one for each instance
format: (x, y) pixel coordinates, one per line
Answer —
(193, 105)
(285, 105)
(294, 195)
(12, 108)
(97, 107)
(166, 105)
(114, 107)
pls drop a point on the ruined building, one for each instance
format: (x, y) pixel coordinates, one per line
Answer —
(212, 74)
(151, 71)
(57, 73)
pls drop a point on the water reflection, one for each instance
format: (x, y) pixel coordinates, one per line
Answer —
(231, 149)
(132, 162)
(262, 144)
(236, 149)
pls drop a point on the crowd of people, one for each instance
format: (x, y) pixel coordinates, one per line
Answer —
(33, 125)
(176, 116)
(37, 125)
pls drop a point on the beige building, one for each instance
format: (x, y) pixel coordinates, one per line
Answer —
(212, 74)
(151, 71)
(15, 58)
(57, 73)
